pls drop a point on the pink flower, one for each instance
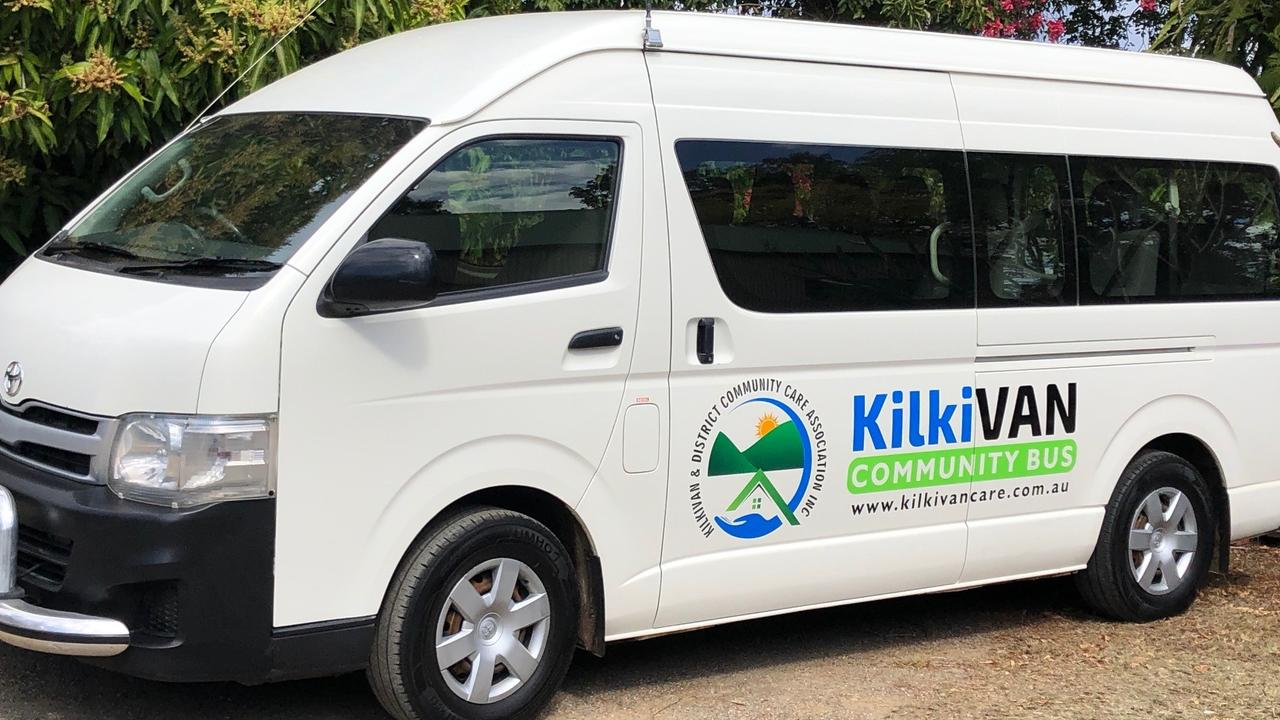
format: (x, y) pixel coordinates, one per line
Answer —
(1148, 5)
(1006, 5)
(1055, 30)
(1035, 22)
(993, 28)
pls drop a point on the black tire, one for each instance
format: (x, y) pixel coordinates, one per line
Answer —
(405, 635)
(1108, 584)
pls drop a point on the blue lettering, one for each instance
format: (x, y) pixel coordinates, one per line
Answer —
(940, 419)
(866, 422)
(913, 430)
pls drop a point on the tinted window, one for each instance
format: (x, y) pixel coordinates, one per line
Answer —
(808, 228)
(1153, 230)
(512, 210)
(1022, 227)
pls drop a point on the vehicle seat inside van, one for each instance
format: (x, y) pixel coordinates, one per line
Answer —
(1123, 256)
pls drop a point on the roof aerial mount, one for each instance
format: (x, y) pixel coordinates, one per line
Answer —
(652, 35)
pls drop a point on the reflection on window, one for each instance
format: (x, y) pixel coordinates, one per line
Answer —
(809, 228)
(1021, 223)
(509, 211)
(1154, 230)
(250, 187)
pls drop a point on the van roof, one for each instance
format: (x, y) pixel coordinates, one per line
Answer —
(451, 71)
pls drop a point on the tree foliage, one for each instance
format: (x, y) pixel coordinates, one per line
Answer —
(1245, 33)
(88, 88)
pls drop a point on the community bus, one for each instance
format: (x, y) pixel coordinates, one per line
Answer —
(488, 341)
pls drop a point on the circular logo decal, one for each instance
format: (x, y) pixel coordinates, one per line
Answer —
(758, 462)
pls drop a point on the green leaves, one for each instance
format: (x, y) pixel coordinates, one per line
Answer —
(1245, 33)
(88, 89)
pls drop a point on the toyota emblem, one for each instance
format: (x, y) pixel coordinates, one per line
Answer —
(13, 379)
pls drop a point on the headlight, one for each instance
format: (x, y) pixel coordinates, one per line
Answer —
(181, 461)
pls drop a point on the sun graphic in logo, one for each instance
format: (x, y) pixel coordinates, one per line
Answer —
(766, 424)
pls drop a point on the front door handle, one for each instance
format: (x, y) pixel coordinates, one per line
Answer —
(598, 338)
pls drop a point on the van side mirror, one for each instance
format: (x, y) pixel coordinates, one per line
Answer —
(382, 276)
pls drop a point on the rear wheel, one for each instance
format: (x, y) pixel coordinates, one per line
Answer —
(1157, 540)
(478, 624)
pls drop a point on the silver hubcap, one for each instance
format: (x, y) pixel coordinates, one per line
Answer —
(1163, 541)
(492, 632)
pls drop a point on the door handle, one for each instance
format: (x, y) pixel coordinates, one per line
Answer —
(598, 338)
(706, 340)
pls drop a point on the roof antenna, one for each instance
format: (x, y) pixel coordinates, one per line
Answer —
(254, 64)
(652, 35)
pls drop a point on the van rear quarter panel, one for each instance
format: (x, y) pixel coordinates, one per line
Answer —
(1204, 369)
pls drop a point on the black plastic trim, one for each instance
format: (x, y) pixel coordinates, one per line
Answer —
(598, 338)
(324, 648)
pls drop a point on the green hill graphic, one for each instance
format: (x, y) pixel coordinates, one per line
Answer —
(781, 449)
(727, 459)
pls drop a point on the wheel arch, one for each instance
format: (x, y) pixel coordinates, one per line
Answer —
(564, 523)
(1187, 426)
(572, 531)
(1198, 453)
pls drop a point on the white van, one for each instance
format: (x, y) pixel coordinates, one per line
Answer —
(487, 341)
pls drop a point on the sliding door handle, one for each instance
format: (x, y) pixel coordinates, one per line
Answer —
(706, 340)
(598, 338)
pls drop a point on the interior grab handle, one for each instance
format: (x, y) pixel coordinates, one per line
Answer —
(934, 237)
(152, 196)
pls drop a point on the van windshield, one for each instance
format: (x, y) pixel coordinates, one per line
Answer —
(230, 202)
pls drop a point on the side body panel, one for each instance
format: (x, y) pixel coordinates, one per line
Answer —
(806, 366)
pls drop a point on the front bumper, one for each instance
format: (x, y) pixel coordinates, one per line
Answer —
(175, 595)
(50, 631)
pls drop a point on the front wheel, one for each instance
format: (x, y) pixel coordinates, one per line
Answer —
(1156, 544)
(478, 623)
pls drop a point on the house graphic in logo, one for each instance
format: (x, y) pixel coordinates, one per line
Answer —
(777, 454)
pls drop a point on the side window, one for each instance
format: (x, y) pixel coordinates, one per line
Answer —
(1161, 231)
(1022, 228)
(512, 210)
(815, 228)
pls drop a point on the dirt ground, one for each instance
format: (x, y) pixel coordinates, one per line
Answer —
(1025, 650)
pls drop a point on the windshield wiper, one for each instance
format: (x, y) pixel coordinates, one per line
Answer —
(205, 265)
(100, 248)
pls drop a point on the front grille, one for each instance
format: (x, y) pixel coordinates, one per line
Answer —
(64, 460)
(63, 442)
(50, 417)
(42, 559)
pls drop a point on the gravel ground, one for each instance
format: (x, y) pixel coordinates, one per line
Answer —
(1025, 650)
